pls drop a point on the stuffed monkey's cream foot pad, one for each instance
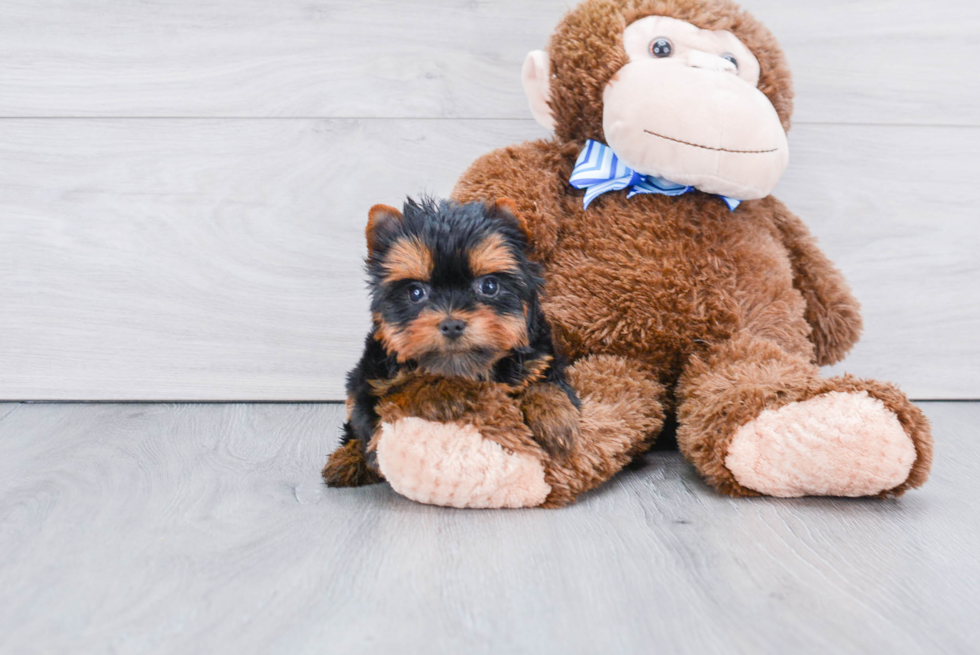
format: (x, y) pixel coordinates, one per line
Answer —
(836, 444)
(451, 464)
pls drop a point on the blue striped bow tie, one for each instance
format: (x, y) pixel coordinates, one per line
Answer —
(598, 171)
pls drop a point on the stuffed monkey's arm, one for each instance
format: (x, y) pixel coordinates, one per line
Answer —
(831, 309)
(525, 173)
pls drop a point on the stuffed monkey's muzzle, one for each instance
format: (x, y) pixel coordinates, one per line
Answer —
(700, 126)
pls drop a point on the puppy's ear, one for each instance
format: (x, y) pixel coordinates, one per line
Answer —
(380, 219)
(508, 208)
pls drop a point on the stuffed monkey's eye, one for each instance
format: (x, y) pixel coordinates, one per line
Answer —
(661, 48)
(417, 293)
(489, 286)
(730, 58)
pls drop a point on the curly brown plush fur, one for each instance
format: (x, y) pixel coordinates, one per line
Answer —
(719, 316)
(621, 413)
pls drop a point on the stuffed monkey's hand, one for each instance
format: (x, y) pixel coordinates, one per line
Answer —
(553, 419)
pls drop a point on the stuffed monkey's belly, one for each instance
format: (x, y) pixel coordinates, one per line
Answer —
(653, 307)
(453, 465)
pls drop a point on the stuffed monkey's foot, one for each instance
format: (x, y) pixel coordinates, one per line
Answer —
(451, 464)
(757, 419)
(835, 444)
(468, 444)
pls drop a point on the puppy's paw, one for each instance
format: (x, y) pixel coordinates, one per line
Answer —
(348, 466)
(553, 419)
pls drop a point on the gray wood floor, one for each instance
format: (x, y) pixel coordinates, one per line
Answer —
(206, 529)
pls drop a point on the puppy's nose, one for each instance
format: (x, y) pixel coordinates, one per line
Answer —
(452, 328)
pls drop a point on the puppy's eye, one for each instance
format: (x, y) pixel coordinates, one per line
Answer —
(489, 286)
(661, 48)
(417, 293)
(731, 59)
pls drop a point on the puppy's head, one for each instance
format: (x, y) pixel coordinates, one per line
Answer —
(451, 286)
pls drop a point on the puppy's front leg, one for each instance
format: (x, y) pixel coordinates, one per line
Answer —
(352, 465)
(553, 418)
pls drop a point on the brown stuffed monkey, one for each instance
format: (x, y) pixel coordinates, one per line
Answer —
(675, 282)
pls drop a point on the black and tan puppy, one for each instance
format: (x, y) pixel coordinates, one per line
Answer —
(453, 295)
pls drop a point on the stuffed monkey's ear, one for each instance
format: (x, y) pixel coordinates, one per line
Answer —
(380, 218)
(537, 86)
(507, 207)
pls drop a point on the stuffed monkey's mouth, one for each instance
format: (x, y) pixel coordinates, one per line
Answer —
(696, 145)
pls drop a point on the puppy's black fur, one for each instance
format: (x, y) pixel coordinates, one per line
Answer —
(453, 294)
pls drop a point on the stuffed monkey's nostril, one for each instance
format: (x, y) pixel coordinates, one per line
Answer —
(452, 328)
(699, 59)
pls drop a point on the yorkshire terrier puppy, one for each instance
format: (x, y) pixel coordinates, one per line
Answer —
(453, 295)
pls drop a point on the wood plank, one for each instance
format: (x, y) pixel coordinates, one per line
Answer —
(879, 61)
(892, 210)
(883, 61)
(162, 529)
(220, 260)
(332, 58)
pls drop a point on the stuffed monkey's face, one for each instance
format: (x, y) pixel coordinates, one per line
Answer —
(687, 108)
